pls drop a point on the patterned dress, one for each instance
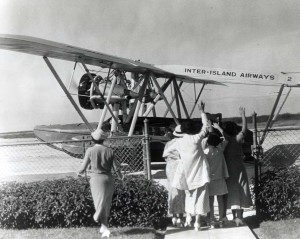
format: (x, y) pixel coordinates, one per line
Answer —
(176, 197)
(238, 186)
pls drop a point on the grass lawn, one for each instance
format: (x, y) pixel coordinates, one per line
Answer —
(81, 233)
(285, 229)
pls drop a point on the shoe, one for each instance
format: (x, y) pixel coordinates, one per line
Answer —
(197, 226)
(212, 224)
(222, 222)
(187, 224)
(174, 220)
(179, 222)
(238, 222)
(188, 221)
(95, 219)
(106, 233)
(101, 229)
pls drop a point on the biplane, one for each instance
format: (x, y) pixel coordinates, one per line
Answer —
(127, 91)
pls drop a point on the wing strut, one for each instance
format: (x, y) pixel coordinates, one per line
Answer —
(280, 108)
(163, 88)
(132, 108)
(262, 139)
(107, 77)
(72, 75)
(181, 99)
(176, 98)
(165, 99)
(173, 98)
(197, 99)
(103, 113)
(270, 121)
(67, 93)
(106, 102)
(139, 103)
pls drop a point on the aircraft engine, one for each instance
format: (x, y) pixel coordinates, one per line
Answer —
(92, 100)
(84, 91)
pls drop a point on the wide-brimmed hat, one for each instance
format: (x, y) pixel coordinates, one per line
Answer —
(96, 135)
(177, 132)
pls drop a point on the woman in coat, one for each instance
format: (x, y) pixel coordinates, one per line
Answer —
(102, 161)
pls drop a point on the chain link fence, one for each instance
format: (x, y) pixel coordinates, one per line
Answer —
(38, 158)
(128, 152)
(35, 159)
(281, 148)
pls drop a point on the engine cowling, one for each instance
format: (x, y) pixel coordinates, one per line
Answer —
(84, 88)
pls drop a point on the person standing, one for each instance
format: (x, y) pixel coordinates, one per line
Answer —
(213, 147)
(101, 160)
(176, 197)
(239, 196)
(192, 174)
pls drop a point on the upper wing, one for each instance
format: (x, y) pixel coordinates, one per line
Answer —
(41, 47)
(45, 48)
(190, 79)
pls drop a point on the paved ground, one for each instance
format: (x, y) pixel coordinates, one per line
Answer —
(230, 231)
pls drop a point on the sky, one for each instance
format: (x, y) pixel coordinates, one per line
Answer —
(253, 36)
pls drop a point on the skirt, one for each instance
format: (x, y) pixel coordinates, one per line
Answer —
(217, 187)
(197, 201)
(239, 195)
(176, 197)
(102, 188)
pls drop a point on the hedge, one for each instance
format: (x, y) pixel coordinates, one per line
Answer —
(68, 203)
(279, 194)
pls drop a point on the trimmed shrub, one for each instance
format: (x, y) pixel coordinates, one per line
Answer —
(279, 194)
(68, 203)
(140, 202)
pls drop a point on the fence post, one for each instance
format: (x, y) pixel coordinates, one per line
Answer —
(146, 151)
(83, 148)
(255, 154)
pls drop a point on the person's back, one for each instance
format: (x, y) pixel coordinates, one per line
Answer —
(101, 159)
(176, 197)
(195, 164)
(216, 159)
(213, 147)
(171, 154)
(234, 147)
(192, 171)
(238, 186)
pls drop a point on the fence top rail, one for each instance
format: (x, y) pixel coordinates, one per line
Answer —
(281, 129)
(71, 141)
(46, 143)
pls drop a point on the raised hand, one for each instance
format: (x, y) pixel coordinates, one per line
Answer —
(242, 111)
(201, 106)
(216, 125)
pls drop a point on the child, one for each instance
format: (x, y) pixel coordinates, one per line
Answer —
(213, 147)
(238, 186)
